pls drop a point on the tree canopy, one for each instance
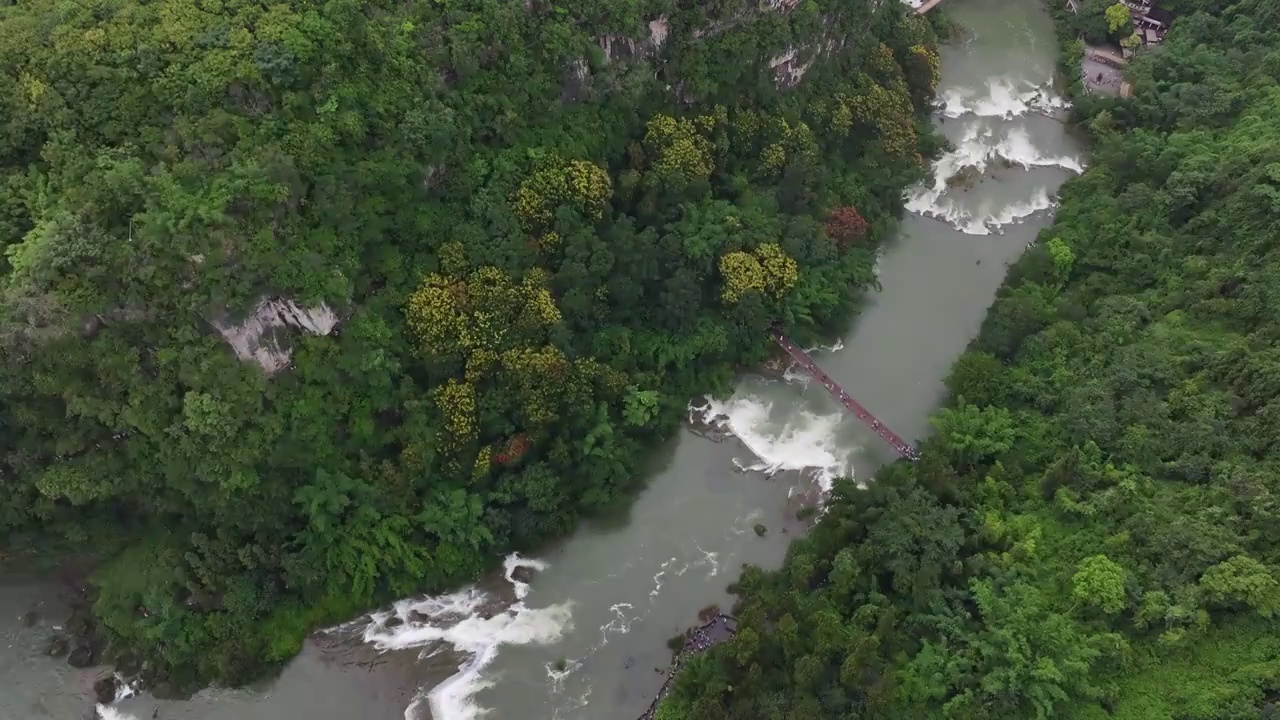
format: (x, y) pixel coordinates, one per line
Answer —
(308, 304)
(1093, 532)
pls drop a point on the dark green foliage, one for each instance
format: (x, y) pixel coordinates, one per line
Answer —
(165, 166)
(1094, 531)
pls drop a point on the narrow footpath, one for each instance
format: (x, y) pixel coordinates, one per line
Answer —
(702, 638)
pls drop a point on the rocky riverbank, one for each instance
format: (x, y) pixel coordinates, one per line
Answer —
(700, 639)
(53, 599)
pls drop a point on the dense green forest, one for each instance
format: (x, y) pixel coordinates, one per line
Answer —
(311, 303)
(1094, 532)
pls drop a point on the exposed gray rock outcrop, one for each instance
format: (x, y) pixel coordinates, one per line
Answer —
(258, 338)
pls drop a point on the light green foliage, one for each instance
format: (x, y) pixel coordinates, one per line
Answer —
(1117, 18)
(1023, 660)
(641, 406)
(1243, 580)
(522, 263)
(1099, 582)
(1093, 532)
(1063, 258)
(1090, 23)
(72, 482)
(975, 434)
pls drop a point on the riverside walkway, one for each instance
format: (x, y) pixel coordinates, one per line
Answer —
(707, 635)
(815, 371)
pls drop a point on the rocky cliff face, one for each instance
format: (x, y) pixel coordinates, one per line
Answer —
(261, 337)
(787, 66)
(620, 47)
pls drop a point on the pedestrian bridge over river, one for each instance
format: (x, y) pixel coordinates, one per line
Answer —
(722, 627)
(815, 371)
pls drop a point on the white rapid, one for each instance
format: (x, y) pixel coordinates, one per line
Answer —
(782, 425)
(107, 712)
(998, 135)
(473, 622)
(780, 434)
(1003, 97)
(585, 638)
(124, 691)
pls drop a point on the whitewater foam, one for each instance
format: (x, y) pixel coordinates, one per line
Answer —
(124, 689)
(457, 621)
(986, 220)
(106, 712)
(620, 623)
(803, 441)
(1004, 97)
(978, 150)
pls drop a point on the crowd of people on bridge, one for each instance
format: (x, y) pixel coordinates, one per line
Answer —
(805, 361)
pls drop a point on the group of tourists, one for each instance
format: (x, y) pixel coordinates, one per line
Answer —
(703, 637)
(808, 364)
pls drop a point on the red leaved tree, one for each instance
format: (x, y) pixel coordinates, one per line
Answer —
(845, 226)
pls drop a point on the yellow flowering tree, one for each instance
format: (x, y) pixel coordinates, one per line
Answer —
(484, 459)
(780, 270)
(747, 128)
(925, 68)
(884, 68)
(741, 273)
(767, 269)
(681, 147)
(578, 184)
(497, 328)
(773, 158)
(538, 378)
(457, 404)
(476, 317)
(887, 112)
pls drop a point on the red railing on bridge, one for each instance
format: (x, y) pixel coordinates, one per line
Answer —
(844, 398)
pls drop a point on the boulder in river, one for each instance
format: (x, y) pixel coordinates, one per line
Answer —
(522, 574)
(393, 622)
(104, 689)
(761, 529)
(30, 619)
(965, 178)
(81, 656)
(58, 646)
(127, 663)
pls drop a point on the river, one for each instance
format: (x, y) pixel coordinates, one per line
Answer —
(586, 638)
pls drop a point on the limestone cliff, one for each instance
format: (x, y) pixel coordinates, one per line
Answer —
(260, 338)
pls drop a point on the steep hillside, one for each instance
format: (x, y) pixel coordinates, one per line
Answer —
(308, 304)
